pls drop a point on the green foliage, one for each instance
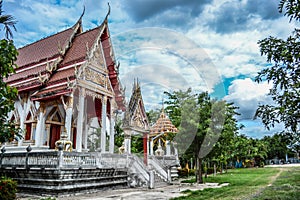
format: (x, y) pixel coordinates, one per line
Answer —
(119, 133)
(137, 144)
(153, 115)
(201, 122)
(8, 55)
(284, 73)
(292, 8)
(277, 145)
(8, 188)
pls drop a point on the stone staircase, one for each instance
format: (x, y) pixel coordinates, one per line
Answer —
(64, 181)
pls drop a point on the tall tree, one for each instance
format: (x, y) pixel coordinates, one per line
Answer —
(200, 122)
(8, 55)
(283, 74)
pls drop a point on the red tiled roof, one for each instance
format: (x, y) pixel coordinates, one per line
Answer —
(163, 124)
(36, 52)
(62, 75)
(76, 47)
(79, 46)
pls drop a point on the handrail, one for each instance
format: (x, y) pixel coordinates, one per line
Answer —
(158, 168)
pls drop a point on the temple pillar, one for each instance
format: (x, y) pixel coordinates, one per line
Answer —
(112, 131)
(168, 148)
(68, 106)
(127, 141)
(103, 128)
(40, 127)
(80, 128)
(48, 133)
(151, 148)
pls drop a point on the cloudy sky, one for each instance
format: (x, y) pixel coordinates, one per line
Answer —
(208, 45)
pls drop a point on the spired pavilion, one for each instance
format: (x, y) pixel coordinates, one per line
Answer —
(68, 87)
(161, 135)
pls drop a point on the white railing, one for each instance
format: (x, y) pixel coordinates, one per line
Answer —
(53, 159)
(158, 168)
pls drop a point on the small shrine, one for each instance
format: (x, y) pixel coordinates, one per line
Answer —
(161, 136)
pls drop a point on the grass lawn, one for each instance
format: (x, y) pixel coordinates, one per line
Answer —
(254, 183)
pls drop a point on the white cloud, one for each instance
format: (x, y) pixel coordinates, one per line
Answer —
(247, 95)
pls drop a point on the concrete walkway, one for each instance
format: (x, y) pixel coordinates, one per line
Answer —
(162, 193)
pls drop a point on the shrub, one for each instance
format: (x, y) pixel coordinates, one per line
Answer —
(8, 188)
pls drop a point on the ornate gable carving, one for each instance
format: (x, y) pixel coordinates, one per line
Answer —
(135, 114)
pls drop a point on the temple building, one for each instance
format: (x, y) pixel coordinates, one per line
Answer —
(68, 88)
(69, 94)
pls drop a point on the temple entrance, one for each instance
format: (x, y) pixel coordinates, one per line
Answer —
(56, 124)
(54, 135)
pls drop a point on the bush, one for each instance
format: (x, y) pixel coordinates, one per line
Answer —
(8, 188)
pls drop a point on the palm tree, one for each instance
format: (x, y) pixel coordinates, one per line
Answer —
(8, 21)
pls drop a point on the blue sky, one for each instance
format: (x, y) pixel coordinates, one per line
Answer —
(173, 44)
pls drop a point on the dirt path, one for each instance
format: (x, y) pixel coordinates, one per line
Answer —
(271, 181)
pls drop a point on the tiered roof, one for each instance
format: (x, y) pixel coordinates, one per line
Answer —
(163, 125)
(48, 67)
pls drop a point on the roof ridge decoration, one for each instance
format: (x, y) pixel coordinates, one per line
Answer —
(62, 51)
(108, 12)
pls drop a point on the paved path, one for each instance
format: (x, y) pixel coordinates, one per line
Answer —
(163, 193)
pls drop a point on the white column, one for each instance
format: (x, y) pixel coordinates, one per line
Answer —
(103, 128)
(68, 122)
(127, 141)
(80, 120)
(151, 147)
(168, 148)
(112, 131)
(40, 128)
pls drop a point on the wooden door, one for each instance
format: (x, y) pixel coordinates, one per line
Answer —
(54, 135)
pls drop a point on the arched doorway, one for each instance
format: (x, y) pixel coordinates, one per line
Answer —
(55, 121)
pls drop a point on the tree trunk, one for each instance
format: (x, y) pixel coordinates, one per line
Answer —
(199, 170)
(215, 169)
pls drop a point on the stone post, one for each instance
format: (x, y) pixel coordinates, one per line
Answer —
(103, 128)
(151, 147)
(169, 178)
(127, 141)
(168, 148)
(60, 159)
(151, 180)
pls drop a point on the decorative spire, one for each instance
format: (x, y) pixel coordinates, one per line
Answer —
(108, 12)
(79, 21)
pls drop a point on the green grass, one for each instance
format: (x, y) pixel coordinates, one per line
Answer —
(286, 186)
(252, 184)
